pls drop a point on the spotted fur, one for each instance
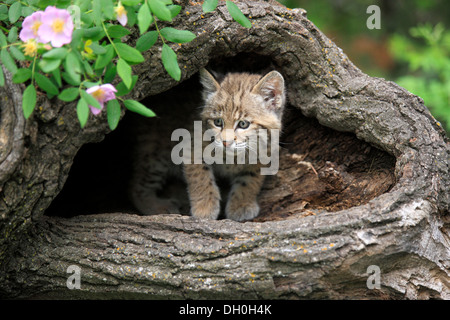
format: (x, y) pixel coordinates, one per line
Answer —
(238, 97)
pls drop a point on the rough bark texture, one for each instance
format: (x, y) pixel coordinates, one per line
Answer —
(404, 231)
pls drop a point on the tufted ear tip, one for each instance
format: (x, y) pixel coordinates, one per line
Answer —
(271, 88)
(210, 84)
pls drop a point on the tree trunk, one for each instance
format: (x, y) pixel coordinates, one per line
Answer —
(361, 197)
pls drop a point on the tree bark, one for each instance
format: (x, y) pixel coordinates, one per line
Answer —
(404, 231)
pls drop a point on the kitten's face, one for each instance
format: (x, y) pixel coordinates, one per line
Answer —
(240, 105)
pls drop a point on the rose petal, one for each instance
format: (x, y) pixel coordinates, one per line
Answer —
(109, 87)
(123, 19)
(45, 33)
(92, 89)
(27, 31)
(96, 111)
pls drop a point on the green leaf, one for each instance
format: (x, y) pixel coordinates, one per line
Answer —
(138, 107)
(21, 75)
(45, 3)
(124, 71)
(174, 10)
(97, 12)
(237, 15)
(72, 63)
(2, 77)
(131, 2)
(87, 68)
(177, 36)
(56, 53)
(209, 5)
(27, 11)
(48, 65)
(117, 31)
(15, 11)
(146, 41)
(160, 10)
(12, 35)
(128, 53)
(8, 61)
(77, 36)
(82, 112)
(144, 18)
(169, 59)
(97, 49)
(124, 90)
(17, 53)
(90, 100)
(56, 76)
(110, 73)
(113, 113)
(70, 80)
(89, 84)
(108, 8)
(3, 12)
(3, 42)
(69, 94)
(104, 59)
(28, 101)
(45, 84)
(73, 68)
(132, 16)
(93, 33)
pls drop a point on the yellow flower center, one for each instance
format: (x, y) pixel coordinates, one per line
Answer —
(35, 27)
(120, 10)
(30, 48)
(58, 25)
(99, 94)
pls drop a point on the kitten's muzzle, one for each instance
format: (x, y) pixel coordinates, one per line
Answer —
(227, 144)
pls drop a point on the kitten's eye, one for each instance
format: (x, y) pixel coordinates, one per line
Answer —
(243, 124)
(218, 122)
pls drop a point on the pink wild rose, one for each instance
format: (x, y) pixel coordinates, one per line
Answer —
(30, 27)
(56, 28)
(102, 94)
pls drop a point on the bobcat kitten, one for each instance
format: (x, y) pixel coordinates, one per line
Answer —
(235, 109)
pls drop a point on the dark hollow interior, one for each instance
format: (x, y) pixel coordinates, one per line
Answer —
(320, 169)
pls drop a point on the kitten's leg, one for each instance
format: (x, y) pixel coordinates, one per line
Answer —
(204, 194)
(242, 204)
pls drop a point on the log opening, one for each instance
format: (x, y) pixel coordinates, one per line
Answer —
(320, 169)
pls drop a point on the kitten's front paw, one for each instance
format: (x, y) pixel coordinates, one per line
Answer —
(242, 211)
(206, 209)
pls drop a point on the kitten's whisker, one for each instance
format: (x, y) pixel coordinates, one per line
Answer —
(248, 147)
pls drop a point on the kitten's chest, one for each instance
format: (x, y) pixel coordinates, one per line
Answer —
(230, 170)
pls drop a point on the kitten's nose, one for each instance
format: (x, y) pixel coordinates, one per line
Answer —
(227, 143)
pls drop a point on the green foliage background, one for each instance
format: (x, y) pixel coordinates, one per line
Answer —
(412, 48)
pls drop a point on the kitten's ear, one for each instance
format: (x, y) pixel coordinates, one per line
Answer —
(209, 83)
(271, 88)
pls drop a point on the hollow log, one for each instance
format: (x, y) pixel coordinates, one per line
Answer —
(362, 213)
